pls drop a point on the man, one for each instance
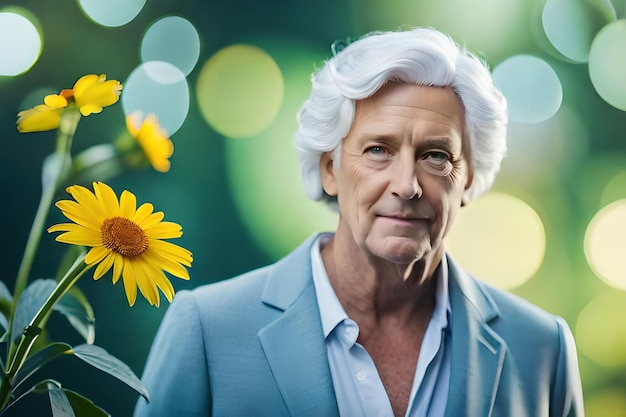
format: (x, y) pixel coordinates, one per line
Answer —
(401, 130)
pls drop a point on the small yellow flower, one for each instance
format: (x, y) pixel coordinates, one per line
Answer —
(90, 94)
(126, 238)
(156, 145)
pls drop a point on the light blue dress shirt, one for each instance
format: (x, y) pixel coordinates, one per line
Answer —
(358, 387)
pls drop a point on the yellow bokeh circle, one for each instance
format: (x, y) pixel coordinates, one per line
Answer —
(498, 238)
(605, 244)
(610, 402)
(600, 333)
(240, 90)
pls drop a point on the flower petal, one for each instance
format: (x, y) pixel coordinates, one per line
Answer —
(107, 198)
(96, 254)
(128, 204)
(84, 83)
(164, 230)
(164, 284)
(172, 251)
(38, 119)
(76, 235)
(104, 266)
(152, 220)
(55, 101)
(130, 282)
(118, 265)
(86, 198)
(133, 123)
(168, 265)
(76, 213)
(146, 285)
(142, 213)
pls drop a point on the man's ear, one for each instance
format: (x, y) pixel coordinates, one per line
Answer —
(327, 173)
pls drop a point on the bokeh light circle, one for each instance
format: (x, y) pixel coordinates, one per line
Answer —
(112, 13)
(607, 64)
(532, 88)
(172, 39)
(472, 22)
(263, 170)
(615, 188)
(20, 44)
(544, 154)
(599, 337)
(570, 28)
(498, 238)
(610, 402)
(605, 244)
(240, 90)
(160, 88)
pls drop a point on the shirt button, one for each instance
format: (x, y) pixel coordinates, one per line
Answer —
(360, 375)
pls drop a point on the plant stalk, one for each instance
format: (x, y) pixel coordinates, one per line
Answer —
(33, 330)
(67, 128)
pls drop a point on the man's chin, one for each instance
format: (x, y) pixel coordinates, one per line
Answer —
(401, 250)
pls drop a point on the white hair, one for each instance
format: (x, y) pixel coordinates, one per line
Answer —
(422, 56)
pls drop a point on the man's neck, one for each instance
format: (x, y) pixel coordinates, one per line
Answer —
(376, 290)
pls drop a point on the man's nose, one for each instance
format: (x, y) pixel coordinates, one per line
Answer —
(404, 182)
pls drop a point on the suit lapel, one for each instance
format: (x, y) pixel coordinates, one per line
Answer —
(477, 351)
(294, 343)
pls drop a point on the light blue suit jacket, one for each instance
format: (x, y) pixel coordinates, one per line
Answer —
(253, 346)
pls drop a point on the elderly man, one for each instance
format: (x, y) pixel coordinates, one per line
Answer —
(401, 130)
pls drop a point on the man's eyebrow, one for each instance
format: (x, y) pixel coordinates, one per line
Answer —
(442, 142)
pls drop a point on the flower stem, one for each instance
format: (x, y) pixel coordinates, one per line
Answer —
(33, 330)
(67, 128)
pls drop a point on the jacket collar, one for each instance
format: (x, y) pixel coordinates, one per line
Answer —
(294, 343)
(477, 350)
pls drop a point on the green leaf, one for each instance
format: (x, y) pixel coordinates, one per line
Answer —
(101, 359)
(29, 303)
(6, 305)
(76, 308)
(84, 407)
(59, 402)
(35, 361)
(5, 294)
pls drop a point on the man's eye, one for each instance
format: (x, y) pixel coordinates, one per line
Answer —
(377, 153)
(376, 150)
(437, 163)
(437, 157)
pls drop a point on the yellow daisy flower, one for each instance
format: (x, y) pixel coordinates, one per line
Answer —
(126, 238)
(156, 145)
(90, 94)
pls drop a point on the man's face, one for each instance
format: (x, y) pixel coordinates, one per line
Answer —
(402, 173)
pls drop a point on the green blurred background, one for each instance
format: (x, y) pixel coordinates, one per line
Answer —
(226, 80)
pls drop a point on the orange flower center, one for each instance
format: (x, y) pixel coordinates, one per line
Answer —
(68, 94)
(124, 236)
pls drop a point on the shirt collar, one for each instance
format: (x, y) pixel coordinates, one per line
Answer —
(331, 311)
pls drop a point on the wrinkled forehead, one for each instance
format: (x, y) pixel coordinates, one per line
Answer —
(414, 101)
